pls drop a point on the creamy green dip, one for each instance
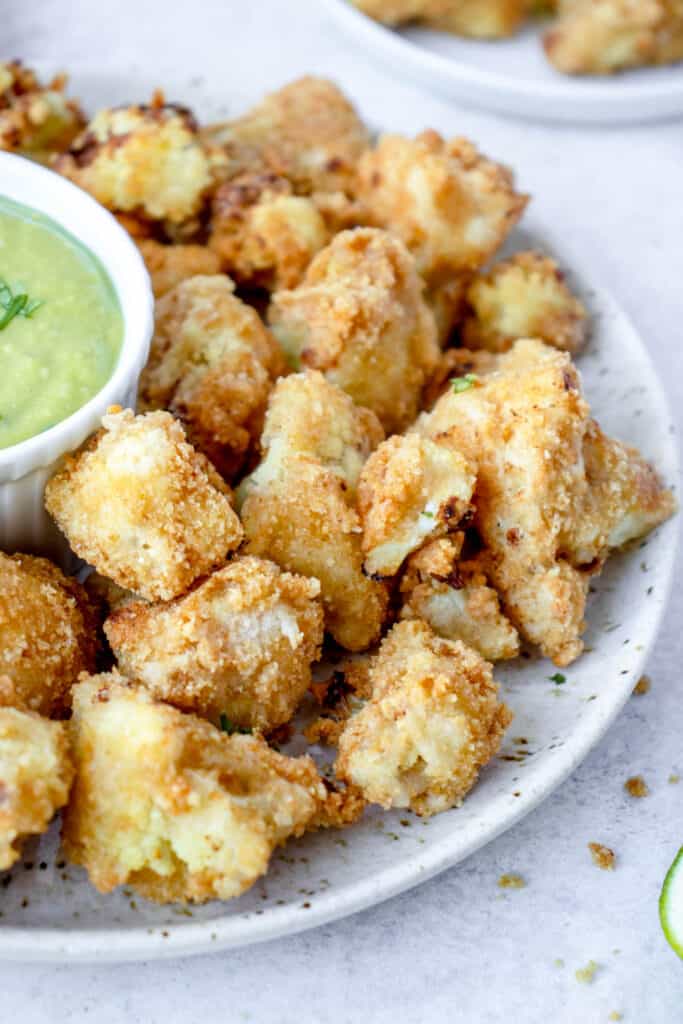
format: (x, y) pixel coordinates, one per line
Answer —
(63, 345)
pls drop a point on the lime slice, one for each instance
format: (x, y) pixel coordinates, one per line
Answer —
(671, 905)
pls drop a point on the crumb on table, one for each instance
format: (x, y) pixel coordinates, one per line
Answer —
(674, 779)
(602, 856)
(615, 1015)
(511, 881)
(636, 786)
(643, 686)
(585, 975)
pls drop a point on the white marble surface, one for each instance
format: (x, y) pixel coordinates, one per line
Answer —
(458, 948)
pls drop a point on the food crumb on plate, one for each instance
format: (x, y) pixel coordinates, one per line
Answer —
(643, 686)
(636, 786)
(585, 975)
(674, 779)
(615, 1015)
(602, 856)
(511, 881)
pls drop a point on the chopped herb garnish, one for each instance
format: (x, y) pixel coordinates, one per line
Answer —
(430, 515)
(230, 727)
(15, 305)
(460, 384)
(558, 678)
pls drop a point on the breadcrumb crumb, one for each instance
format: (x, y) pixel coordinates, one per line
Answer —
(642, 686)
(511, 881)
(585, 975)
(636, 786)
(602, 856)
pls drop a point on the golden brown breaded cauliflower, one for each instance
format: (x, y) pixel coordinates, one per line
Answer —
(454, 596)
(35, 777)
(299, 505)
(454, 364)
(143, 507)
(410, 490)
(523, 297)
(481, 19)
(241, 644)
(264, 235)
(47, 634)
(146, 160)
(35, 120)
(600, 37)
(307, 131)
(168, 804)
(451, 206)
(212, 363)
(526, 424)
(433, 721)
(359, 317)
(169, 265)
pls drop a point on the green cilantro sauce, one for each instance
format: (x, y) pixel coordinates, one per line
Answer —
(60, 324)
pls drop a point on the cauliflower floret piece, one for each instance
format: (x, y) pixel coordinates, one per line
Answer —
(454, 596)
(410, 490)
(143, 507)
(360, 318)
(523, 297)
(604, 36)
(307, 131)
(212, 363)
(169, 265)
(146, 160)
(526, 424)
(240, 644)
(47, 634)
(265, 235)
(432, 722)
(171, 806)
(35, 777)
(299, 506)
(482, 19)
(35, 120)
(450, 206)
(392, 12)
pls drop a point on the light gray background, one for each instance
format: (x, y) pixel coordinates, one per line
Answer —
(457, 949)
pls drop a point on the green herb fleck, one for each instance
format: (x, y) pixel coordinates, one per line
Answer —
(230, 727)
(430, 515)
(460, 384)
(15, 305)
(558, 678)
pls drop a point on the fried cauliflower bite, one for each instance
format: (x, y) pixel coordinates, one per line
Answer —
(529, 426)
(481, 19)
(143, 507)
(454, 596)
(451, 206)
(433, 721)
(359, 317)
(171, 806)
(241, 644)
(523, 297)
(169, 265)
(453, 364)
(624, 499)
(411, 490)
(47, 634)
(600, 37)
(263, 234)
(298, 507)
(35, 120)
(307, 131)
(35, 777)
(212, 363)
(149, 161)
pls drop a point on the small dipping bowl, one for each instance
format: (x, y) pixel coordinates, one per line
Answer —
(26, 467)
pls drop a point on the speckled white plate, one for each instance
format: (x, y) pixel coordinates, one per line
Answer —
(50, 912)
(512, 76)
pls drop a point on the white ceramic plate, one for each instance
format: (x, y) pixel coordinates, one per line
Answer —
(512, 76)
(50, 912)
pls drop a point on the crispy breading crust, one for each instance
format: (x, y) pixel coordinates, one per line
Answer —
(263, 234)
(212, 363)
(527, 425)
(146, 160)
(523, 297)
(35, 777)
(240, 644)
(454, 363)
(451, 206)
(169, 265)
(433, 721)
(171, 806)
(35, 120)
(143, 507)
(47, 634)
(299, 505)
(455, 597)
(410, 490)
(480, 19)
(307, 131)
(604, 36)
(360, 318)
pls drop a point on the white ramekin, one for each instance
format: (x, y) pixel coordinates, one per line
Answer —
(26, 467)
